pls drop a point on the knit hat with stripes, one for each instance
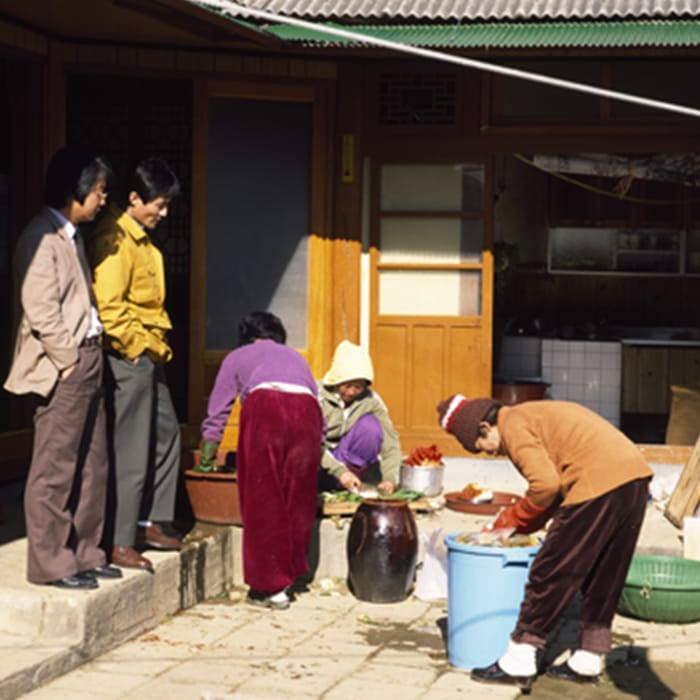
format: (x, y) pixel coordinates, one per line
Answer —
(461, 417)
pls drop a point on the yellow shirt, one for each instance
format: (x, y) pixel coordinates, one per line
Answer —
(129, 283)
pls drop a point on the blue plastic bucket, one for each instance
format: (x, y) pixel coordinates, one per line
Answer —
(485, 586)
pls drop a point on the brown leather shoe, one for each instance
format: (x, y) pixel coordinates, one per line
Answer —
(129, 558)
(155, 538)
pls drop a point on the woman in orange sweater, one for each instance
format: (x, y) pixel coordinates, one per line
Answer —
(593, 483)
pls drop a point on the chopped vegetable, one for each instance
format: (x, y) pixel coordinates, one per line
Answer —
(494, 539)
(406, 495)
(341, 496)
(476, 494)
(422, 456)
(351, 497)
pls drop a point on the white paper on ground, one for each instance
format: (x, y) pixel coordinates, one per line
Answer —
(431, 580)
(691, 538)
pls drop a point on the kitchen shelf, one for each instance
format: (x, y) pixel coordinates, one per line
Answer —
(618, 251)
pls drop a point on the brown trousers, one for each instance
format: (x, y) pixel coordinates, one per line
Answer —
(588, 548)
(64, 498)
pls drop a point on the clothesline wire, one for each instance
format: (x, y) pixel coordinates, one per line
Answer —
(597, 190)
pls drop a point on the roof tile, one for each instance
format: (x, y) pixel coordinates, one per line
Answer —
(477, 9)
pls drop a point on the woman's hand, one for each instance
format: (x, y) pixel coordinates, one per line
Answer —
(349, 480)
(386, 486)
(208, 453)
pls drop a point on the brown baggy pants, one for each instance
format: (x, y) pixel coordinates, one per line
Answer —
(588, 548)
(65, 493)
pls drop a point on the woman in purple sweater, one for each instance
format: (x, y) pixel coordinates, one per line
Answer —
(279, 443)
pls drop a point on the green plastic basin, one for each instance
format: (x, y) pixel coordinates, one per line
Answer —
(662, 589)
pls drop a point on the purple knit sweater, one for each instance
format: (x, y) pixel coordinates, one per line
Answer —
(245, 368)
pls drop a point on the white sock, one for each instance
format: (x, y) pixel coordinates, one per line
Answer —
(280, 596)
(586, 663)
(519, 660)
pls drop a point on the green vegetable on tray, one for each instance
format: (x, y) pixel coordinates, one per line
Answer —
(341, 497)
(351, 497)
(406, 494)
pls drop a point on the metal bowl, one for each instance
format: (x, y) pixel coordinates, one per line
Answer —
(427, 480)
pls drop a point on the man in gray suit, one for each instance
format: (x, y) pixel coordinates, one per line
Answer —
(58, 356)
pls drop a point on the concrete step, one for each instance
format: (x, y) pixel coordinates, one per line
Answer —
(46, 631)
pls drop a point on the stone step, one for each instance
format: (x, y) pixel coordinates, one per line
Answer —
(46, 631)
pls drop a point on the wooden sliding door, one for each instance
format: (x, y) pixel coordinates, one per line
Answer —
(431, 301)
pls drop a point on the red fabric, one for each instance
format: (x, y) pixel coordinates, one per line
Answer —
(525, 516)
(279, 448)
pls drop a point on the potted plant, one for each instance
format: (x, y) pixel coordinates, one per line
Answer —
(213, 493)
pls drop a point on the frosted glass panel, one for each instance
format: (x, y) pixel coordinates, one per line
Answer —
(431, 187)
(257, 258)
(429, 293)
(438, 241)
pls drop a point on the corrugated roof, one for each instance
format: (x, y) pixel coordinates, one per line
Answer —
(682, 33)
(477, 9)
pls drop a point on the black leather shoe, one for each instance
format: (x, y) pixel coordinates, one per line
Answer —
(495, 674)
(106, 571)
(564, 672)
(76, 582)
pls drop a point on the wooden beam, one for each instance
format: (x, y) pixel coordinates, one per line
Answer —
(686, 496)
(199, 21)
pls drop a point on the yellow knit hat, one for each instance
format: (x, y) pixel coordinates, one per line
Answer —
(350, 362)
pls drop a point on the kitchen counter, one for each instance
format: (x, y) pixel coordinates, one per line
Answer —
(670, 336)
(661, 342)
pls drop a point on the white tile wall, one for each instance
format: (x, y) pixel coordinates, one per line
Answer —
(588, 372)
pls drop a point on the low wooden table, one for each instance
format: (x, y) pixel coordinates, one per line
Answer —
(332, 508)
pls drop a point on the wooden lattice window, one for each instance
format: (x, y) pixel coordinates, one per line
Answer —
(428, 99)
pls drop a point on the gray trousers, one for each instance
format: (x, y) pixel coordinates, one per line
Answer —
(64, 497)
(145, 446)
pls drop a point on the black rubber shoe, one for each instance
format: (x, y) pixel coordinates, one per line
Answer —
(495, 674)
(564, 672)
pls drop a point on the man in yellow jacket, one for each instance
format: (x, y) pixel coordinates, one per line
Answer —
(129, 284)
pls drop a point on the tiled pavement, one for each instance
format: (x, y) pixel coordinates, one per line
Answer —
(148, 636)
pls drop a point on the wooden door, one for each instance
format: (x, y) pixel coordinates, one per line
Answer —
(259, 217)
(431, 291)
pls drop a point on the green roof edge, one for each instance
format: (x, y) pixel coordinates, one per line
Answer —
(570, 34)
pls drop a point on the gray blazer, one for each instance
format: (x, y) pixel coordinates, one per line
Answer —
(52, 306)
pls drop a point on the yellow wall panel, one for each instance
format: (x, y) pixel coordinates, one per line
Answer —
(469, 363)
(391, 369)
(427, 365)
